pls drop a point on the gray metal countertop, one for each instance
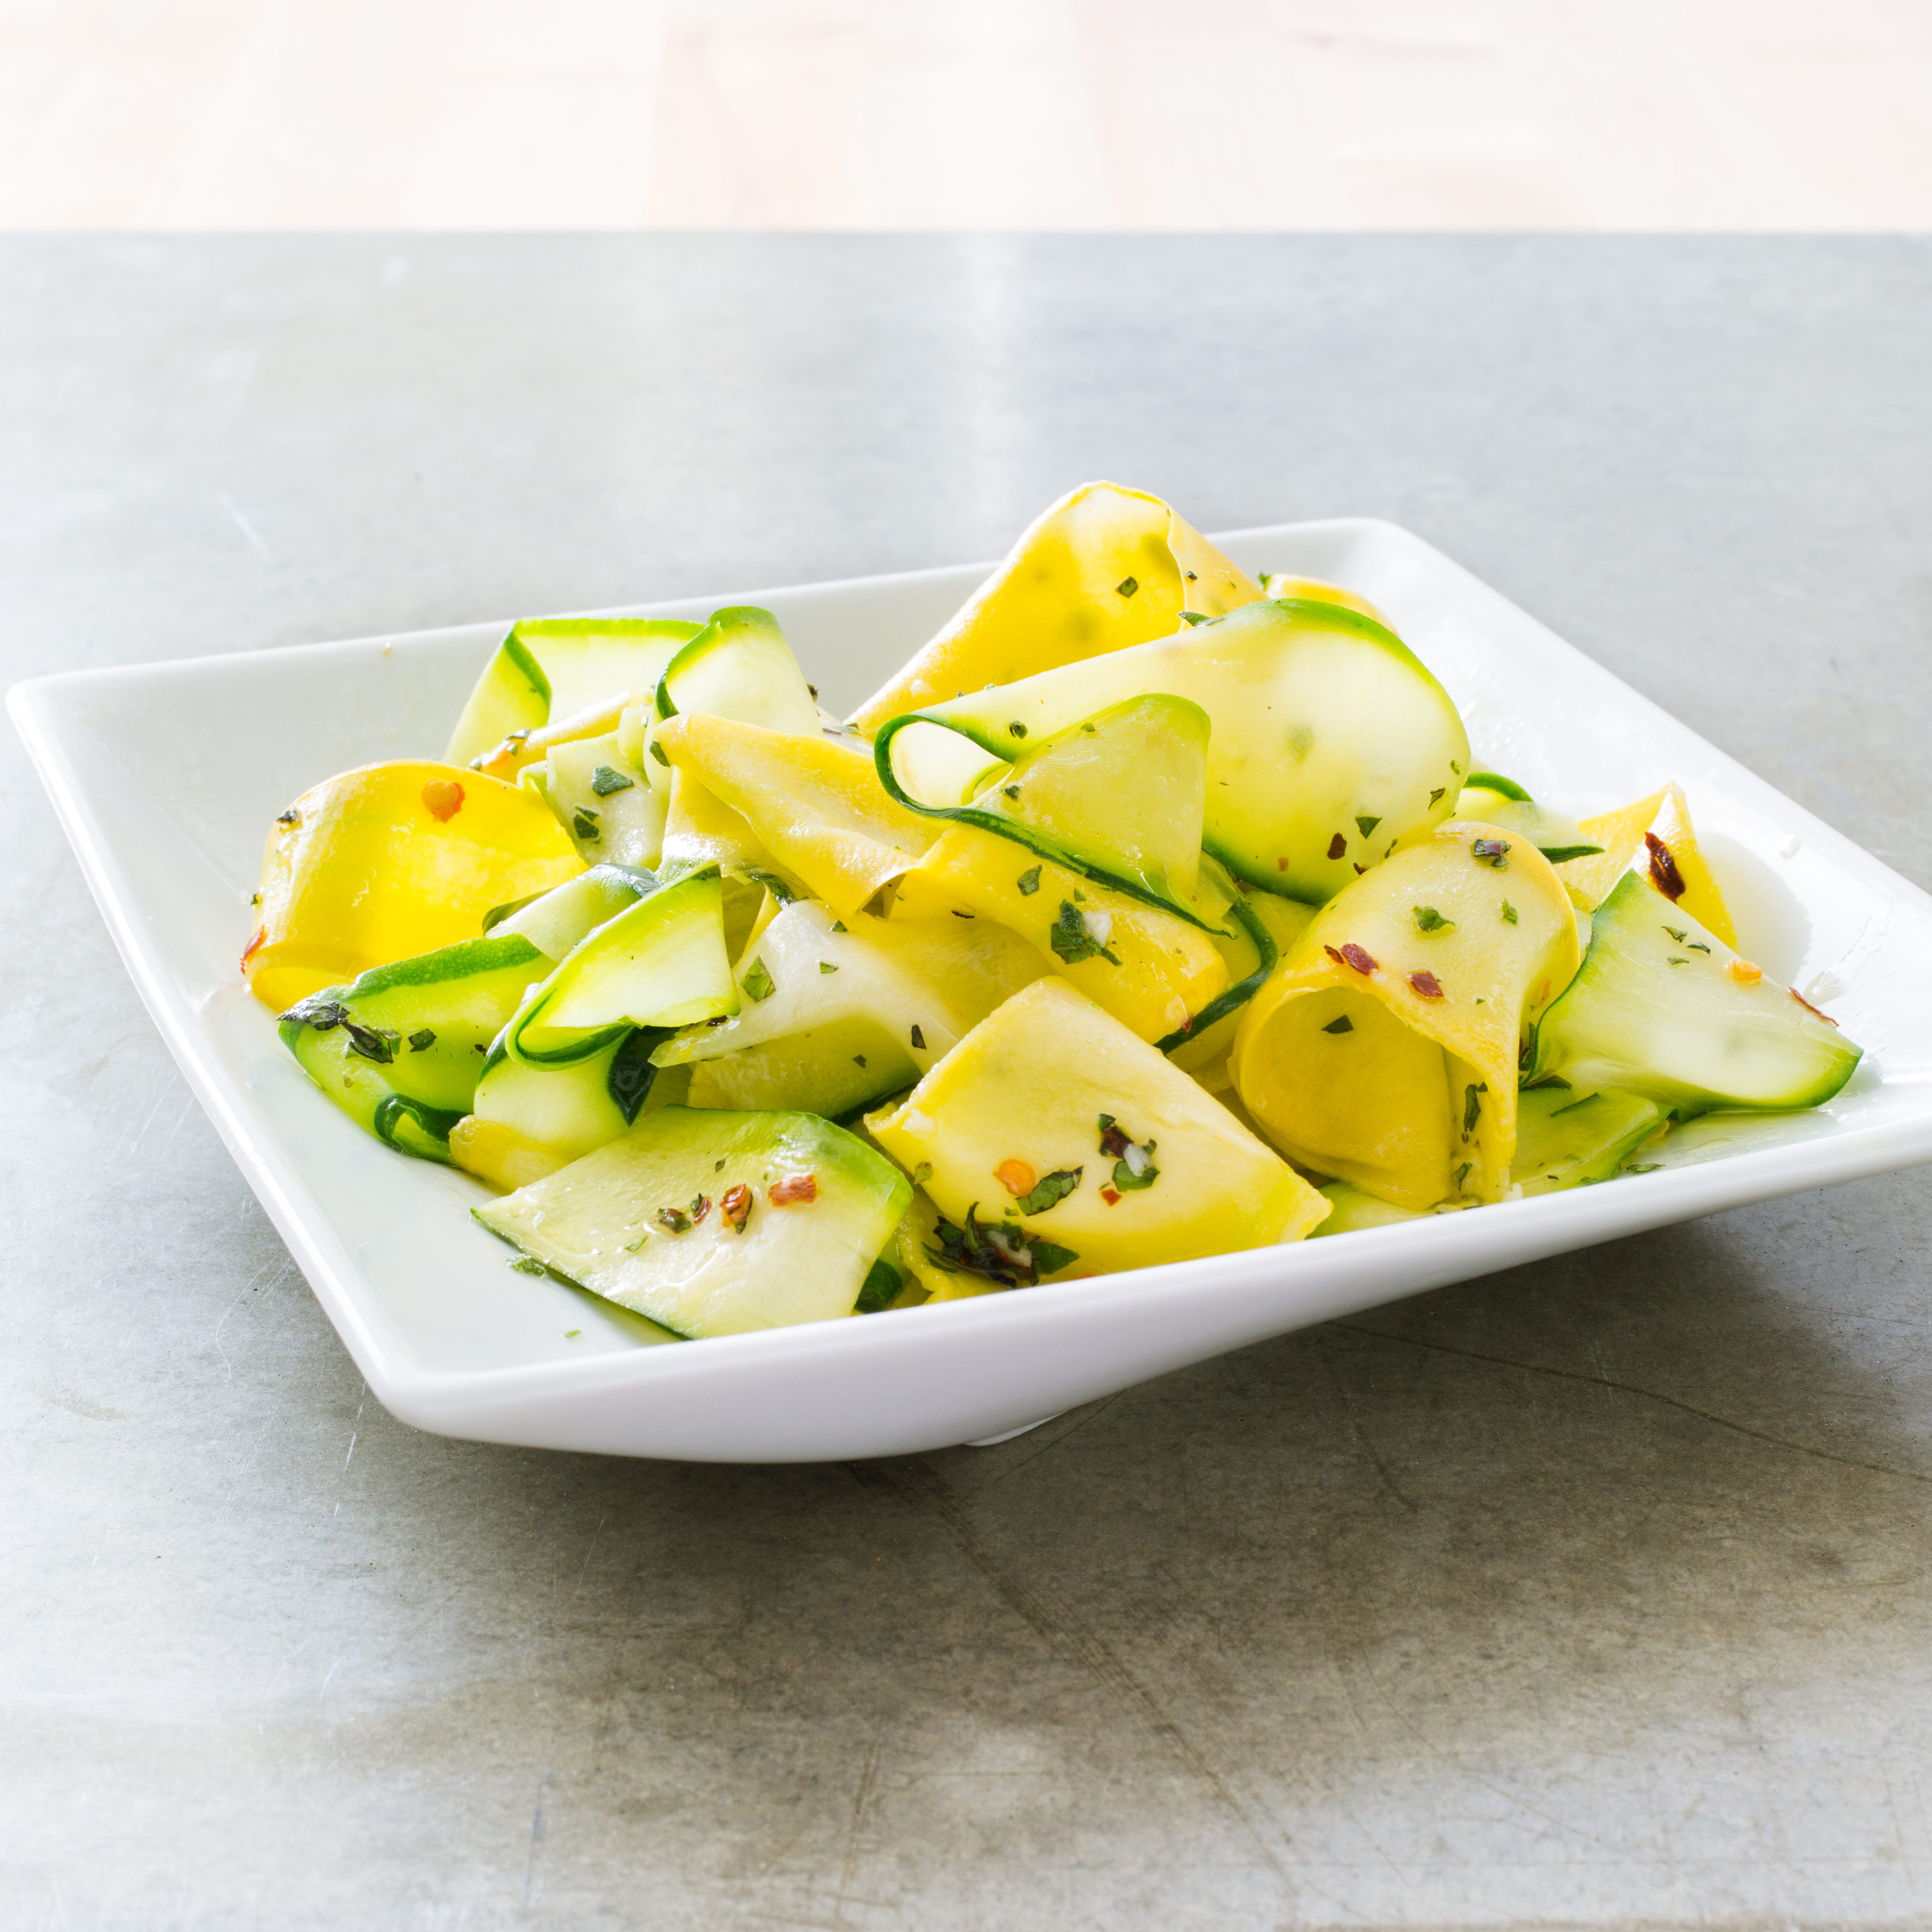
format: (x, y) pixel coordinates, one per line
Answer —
(1595, 1593)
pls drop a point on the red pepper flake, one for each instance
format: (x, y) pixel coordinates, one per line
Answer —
(1664, 873)
(736, 1206)
(700, 1207)
(799, 1187)
(442, 799)
(1337, 846)
(1426, 985)
(254, 946)
(1111, 1195)
(1352, 955)
(1360, 869)
(1809, 1007)
(1281, 864)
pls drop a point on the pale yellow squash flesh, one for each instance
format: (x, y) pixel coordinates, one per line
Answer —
(815, 804)
(1058, 598)
(1666, 816)
(1168, 968)
(1414, 1099)
(391, 860)
(1025, 1090)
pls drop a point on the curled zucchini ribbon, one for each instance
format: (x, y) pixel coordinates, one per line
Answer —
(1328, 742)
(662, 962)
(1244, 990)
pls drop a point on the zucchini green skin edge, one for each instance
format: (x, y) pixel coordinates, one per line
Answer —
(749, 633)
(1241, 991)
(1648, 1013)
(1320, 618)
(390, 1003)
(512, 694)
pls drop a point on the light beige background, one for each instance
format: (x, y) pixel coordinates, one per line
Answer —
(1053, 114)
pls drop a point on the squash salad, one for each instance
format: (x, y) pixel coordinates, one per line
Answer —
(1151, 912)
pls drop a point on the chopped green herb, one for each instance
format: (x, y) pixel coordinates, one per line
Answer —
(291, 817)
(1462, 1173)
(922, 1174)
(1435, 796)
(1344, 1025)
(1016, 729)
(1365, 825)
(1052, 1189)
(838, 925)
(1509, 913)
(676, 1219)
(1560, 855)
(858, 1059)
(1677, 959)
(1028, 881)
(1645, 1167)
(1491, 852)
(776, 886)
(418, 1041)
(1009, 1256)
(813, 688)
(1070, 939)
(1049, 1258)
(1009, 791)
(879, 1290)
(758, 982)
(631, 1247)
(584, 825)
(1472, 1105)
(529, 1265)
(658, 752)
(918, 1040)
(571, 1334)
(604, 780)
(826, 966)
(1135, 1169)
(1677, 933)
(1697, 946)
(1127, 586)
(1428, 919)
(1193, 617)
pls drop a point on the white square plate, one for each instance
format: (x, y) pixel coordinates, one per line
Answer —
(166, 777)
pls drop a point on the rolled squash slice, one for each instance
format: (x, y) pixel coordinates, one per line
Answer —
(814, 804)
(389, 861)
(1329, 741)
(1384, 1051)
(1150, 970)
(1053, 1141)
(1654, 838)
(1104, 568)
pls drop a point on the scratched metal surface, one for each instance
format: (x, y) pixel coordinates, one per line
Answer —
(1593, 1594)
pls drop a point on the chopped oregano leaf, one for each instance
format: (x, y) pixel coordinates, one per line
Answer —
(529, 1265)
(1428, 919)
(1560, 855)
(1472, 1105)
(918, 1039)
(1127, 586)
(1344, 1025)
(658, 752)
(606, 779)
(1644, 1167)
(628, 1082)
(1009, 1256)
(1509, 913)
(922, 1174)
(676, 1219)
(1677, 933)
(1677, 960)
(1135, 1169)
(826, 966)
(1435, 796)
(1028, 881)
(584, 824)
(291, 817)
(1491, 852)
(376, 1043)
(644, 1235)
(1462, 1173)
(1052, 1189)
(1365, 825)
(1049, 1258)
(1016, 729)
(571, 1334)
(838, 925)
(1070, 938)
(758, 981)
(1696, 945)
(1193, 617)
(1009, 791)
(420, 1040)
(813, 688)
(858, 1059)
